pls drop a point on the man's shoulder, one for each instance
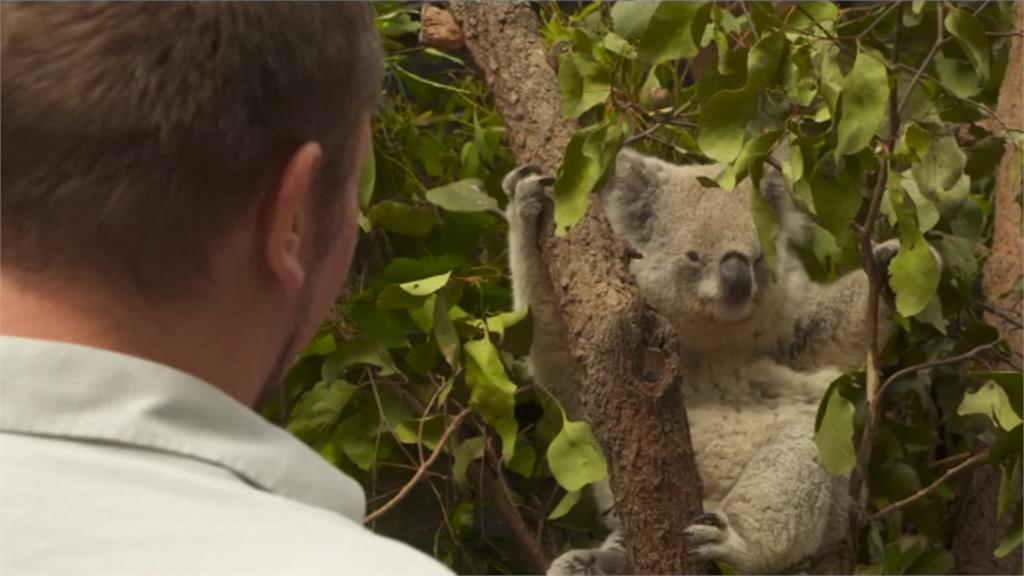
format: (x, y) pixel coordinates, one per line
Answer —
(111, 508)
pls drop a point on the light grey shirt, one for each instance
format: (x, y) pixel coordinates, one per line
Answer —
(110, 464)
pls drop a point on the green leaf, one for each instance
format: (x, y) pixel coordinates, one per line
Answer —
(596, 86)
(401, 218)
(321, 346)
(565, 504)
(588, 157)
(957, 76)
(1013, 538)
(972, 38)
(992, 401)
(318, 410)
(469, 450)
(724, 116)
(766, 221)
(618, 45)
(524, 460)
(722, 121)
(834, 437)
(754, 151)
(352, 352)
(444, 332)
(356, 437)
(423, 316)
(669, 32)
(836, 193)
(507, 428)
(940, 174)
(1009, 486)
(426, 286)
(492, 394)
(824, 14)
(937, 561)
(575, 458)
(863, 100)
(801, 79)
(367, 179)
(394, 298)
(630, 19)
(913, 272)
(463, 196)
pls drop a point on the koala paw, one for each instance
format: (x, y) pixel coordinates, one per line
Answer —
(576, 563)
(712, 538)
(885, 251)
(610, 558)
(526, 187)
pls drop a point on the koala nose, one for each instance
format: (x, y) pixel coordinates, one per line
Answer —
(734, 271)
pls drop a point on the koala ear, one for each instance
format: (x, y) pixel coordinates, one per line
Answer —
(628, 196)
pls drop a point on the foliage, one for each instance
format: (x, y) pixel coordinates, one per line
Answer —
(425, 331)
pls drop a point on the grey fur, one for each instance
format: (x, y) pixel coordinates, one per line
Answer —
(754, 371)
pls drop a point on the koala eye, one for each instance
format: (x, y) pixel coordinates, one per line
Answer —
(693, 256)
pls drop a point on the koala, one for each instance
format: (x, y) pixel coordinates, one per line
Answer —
(759, 345)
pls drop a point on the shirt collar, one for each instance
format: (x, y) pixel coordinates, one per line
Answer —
(71, 391)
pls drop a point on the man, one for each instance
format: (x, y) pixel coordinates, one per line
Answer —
(178, 205)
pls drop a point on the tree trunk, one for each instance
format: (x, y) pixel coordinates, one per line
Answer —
(976, 532)
(1002, 272)
(639, 421)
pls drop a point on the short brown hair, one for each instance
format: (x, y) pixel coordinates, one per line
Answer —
(134, 134)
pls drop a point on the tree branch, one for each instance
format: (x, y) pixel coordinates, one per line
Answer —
(421, 472)
(965, 465)
(641, 425)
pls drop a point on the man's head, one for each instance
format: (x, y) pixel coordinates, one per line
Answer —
(141, 143)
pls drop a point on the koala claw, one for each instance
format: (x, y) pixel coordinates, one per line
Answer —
(526, 188)
(712, 538)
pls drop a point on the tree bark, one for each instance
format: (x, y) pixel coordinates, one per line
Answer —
(976, 530)
(1003, 268)
(625, 354)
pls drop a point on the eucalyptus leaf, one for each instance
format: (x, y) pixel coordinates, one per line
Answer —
(463, 196)
(972, 38)
(565, 504)
(834, 436)
(863, 101)
(575, 458)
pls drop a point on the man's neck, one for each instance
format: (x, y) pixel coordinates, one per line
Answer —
(194, 340)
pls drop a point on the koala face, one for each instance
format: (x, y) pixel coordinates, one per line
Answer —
(702, 265)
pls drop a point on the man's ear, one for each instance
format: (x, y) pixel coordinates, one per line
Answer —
(288, 231)
(628, 196)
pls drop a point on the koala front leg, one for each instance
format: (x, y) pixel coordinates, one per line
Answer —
(784, 508)
(550, 361)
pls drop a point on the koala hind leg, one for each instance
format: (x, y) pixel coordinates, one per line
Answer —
(550, 361)
(784, 508)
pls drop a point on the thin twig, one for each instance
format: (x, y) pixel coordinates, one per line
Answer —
(939, 41)
(828, 35)
(1016, 322)
(531, 546)
(984, 108)
(965, 465)
(880, 17)
(753, 25)
(421, 472)
(972, 353)
(873, 273)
